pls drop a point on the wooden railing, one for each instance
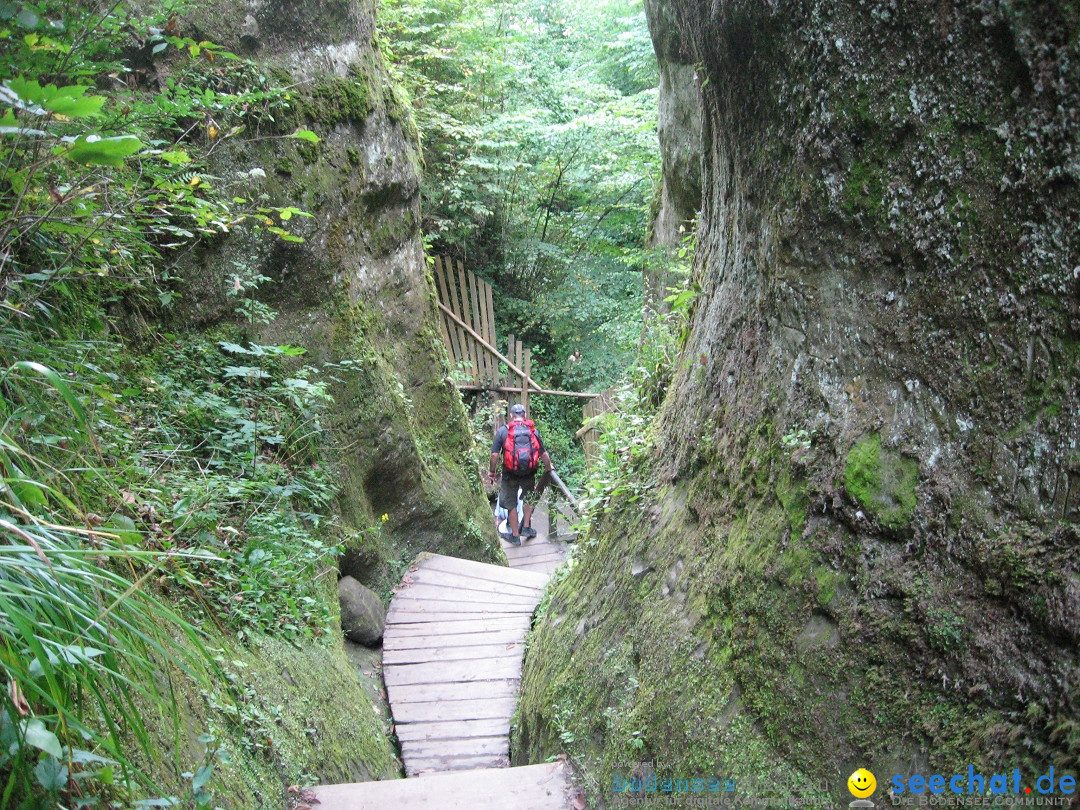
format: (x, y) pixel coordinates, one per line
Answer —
(468, 330)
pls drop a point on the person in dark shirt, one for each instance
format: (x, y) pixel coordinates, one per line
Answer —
(525, 454)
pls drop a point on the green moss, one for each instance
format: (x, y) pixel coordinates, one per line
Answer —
(882, 481)
(284, 714)
(335, 100)
(864, 190)
(827, 583)
(793, 497)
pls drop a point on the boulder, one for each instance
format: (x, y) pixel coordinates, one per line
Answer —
(363, 617)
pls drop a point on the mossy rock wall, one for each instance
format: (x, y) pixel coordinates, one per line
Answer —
(356, 292)
(358, 288)
(286, 715)
(888, 257)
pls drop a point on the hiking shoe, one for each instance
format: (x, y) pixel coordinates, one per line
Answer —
(528, 532)
(512, 539)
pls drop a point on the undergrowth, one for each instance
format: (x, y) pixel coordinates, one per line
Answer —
(172, 489)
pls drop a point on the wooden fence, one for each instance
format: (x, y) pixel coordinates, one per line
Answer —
(590, 431)
(469, 300)
(468, 330)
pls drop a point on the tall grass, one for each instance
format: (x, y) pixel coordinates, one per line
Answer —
(84, 645)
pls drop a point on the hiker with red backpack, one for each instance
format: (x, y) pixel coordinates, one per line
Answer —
(521, 449)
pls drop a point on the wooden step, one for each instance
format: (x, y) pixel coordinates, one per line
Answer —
(453, 649)
(423, 655)
(533, 787)
(482, 571)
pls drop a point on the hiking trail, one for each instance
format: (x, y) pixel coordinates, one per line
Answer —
(452, 657)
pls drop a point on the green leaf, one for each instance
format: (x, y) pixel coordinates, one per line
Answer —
(98, 151)
(124, 528)
(50, 774)
(57, 383)
(28, 492)
(80, 757)
(69, 101)
(40, 737)
(306, 135)
(251, 372)
(27, 18)
(202, 776)
(176, 158)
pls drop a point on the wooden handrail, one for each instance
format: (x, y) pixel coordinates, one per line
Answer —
(529, 380)
(504, 389)
(569, 495)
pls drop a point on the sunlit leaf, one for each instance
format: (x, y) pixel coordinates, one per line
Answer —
(97, 151)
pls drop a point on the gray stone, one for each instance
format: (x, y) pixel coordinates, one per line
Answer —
(363, 617)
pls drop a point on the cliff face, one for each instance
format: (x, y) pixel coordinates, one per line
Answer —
(357, 289)
(857, 541)
(357, 295)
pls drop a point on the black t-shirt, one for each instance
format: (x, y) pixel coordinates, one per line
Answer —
(500, 440)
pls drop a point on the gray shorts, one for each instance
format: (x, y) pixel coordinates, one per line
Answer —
(508, 491)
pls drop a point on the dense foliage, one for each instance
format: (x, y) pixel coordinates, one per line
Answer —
(185, 473)
(538, 123)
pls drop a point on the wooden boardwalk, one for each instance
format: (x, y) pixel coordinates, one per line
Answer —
(540, 554)
(452, 655)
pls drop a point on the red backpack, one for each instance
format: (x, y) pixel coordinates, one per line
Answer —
(521, 450)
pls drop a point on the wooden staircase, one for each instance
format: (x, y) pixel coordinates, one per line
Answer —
(452, 655)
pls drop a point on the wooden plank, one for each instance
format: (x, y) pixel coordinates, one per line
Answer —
(532, 549)
(532, 787)
(526, 366)
(454, 730)
(413, 641)
(486, 330)
(533, 559)
(510, 380)
(455, 276)
(478, 746)
(546, 568)
(430, 692)
(476, 708)
(482, 357)
(458, 595)
(452, 672)
(536, 545)
(417, 617)
(439, 606)
(444, 579)
(461, 338)
(489, 301)
(451, 328)
(523, 379)
(445, 325)
(484, 571)
(459, 628)
(440, 764)
(488, 652)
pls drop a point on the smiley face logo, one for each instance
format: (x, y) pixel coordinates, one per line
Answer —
(861, 783)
